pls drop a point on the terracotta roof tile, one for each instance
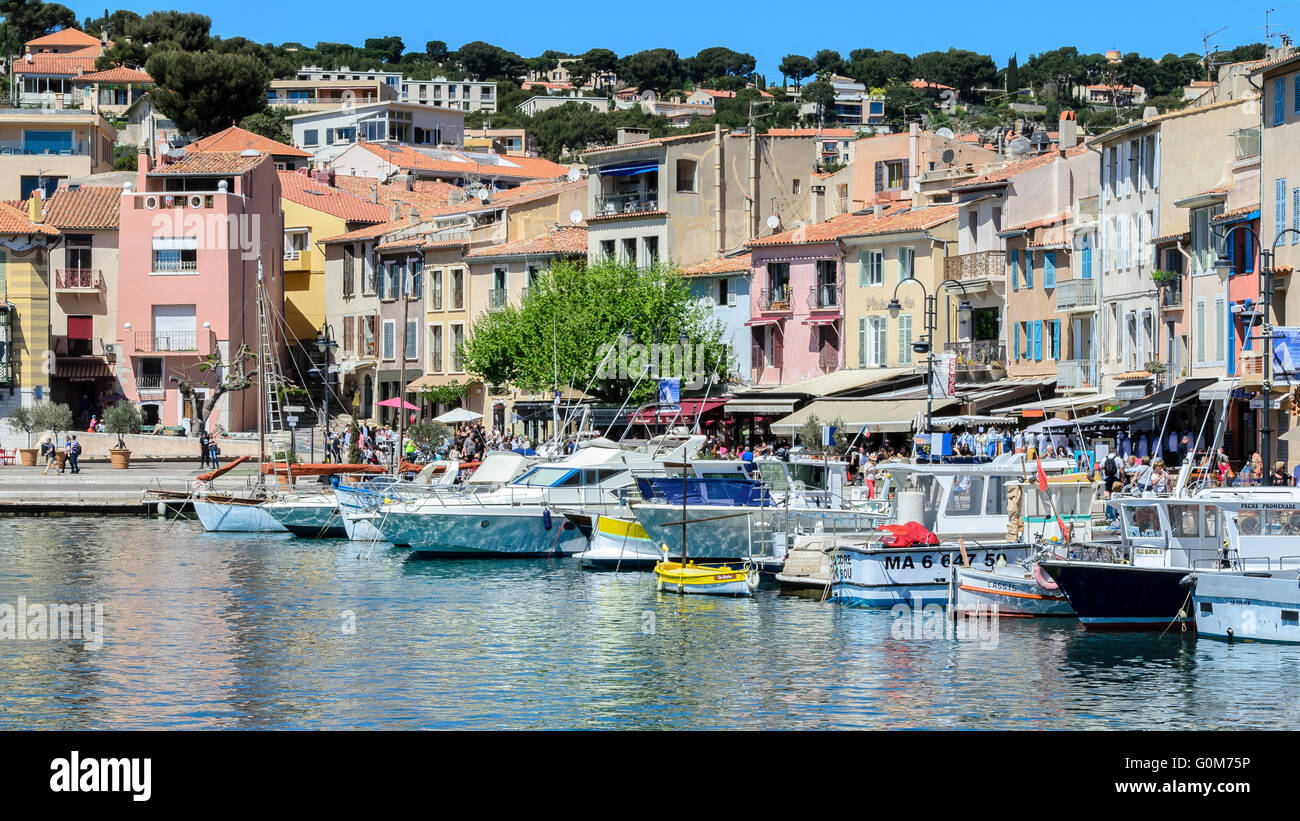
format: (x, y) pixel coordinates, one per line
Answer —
(720, 265)
(564, 241)
(210, 162)
(65, 37)
(1171, 237)
(1236, 212)
(1006, 172)
(89, 207)
(120, 74)
(425, 195)
(510, 168)
(14, 221)
(235, 139)
(302, 189)
(653, 141)
(68, 65)
(1042, 222)
(893, 220)
(371, 231)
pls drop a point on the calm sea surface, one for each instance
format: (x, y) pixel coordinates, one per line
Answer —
(206, 630)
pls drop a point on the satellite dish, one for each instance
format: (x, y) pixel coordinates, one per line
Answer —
(483, 194)
(574, 175)
(774, 222)
(946, 133)
(1018, 146)
(948, 156)
(575, 216)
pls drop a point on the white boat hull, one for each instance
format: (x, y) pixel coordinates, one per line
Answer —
(482, 530)
(308, 519)
(225, 517)
(1247, 608)
(865, 575)
(361, 525)
(619, 543)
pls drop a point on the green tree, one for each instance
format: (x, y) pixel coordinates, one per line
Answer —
(122, 418)
(354, 448)
(875, 69)
(572, 319)
(437, 51)
(271, 123)
(659, 69)
(115, 25)
(904, 104)
(828, 61)
(600, 61)
(427, 435)
(810, 434)
(29, 19)
(187, 31)
(961, 69)
(206, 92)
(717, 62)
(488, 62)
(796, 67)
(125, 157)
(388, 49)
(54, 416)
(21, 418)
(820, 93)
(1012, 75)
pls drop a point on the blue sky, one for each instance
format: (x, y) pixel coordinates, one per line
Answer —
(767, 29)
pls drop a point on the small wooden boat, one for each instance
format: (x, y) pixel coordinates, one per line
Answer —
(707, 579)
(1008, 591)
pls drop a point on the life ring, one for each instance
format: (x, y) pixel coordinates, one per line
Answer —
(1043, 580)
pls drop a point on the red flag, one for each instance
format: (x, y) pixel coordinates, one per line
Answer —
(1065, 531)
(1042, 476)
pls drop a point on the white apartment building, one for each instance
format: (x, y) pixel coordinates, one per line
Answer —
(467, 95)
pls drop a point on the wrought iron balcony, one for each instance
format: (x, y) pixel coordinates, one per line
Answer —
(642, 201)
(497, 298)
(1076, 295)
(1171, 296)
(95, 347)
(79, 281)
(979, 354)
(774, 299)
(990, 265)
(166, 341)
(823, 297)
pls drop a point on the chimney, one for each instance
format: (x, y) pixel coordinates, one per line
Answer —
(877, 210)
(374, 193)
(143, 165)
(412, 216)
(817, 201)
(1149, 112)
(1068, 128)
(394, 211)
(914, 150)
(36, 207)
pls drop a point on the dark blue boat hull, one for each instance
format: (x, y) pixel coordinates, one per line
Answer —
(1123, 597)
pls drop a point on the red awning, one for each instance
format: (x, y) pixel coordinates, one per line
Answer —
(690, 409)
(81, 327)
(821, 320)
(764, 320)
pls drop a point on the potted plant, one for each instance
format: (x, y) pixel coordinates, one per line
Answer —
(21, 418)
(124, 417)
(56, 417)
(1161, 277)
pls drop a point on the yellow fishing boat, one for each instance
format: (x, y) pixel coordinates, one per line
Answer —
(707, 579)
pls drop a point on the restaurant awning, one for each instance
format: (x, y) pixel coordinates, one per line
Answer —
(763, 320)
(820, 320)
(83, 371)
(1219, 390)
(766, 406)
(1158, 402)
(690, 409)
(630, 170)
(1039, 409)
(871, 416)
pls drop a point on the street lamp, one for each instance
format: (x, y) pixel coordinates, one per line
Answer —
(927, 346)
(1223, 265)
(325, 343)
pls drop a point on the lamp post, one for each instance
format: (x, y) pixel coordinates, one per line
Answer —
(927, 347)
(1223, 265)
(325, 343)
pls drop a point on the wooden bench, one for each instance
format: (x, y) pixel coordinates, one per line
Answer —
(173, 430)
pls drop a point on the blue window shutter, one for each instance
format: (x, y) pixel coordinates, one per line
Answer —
(1295, 214)
(1056, 339)
(1295, 103)
(1279, 89)
(1049, 269)
(1016, 348)
(1087, 263)
(1250, 253)
(1029, 268)
(1279, 206)
(1038, 340)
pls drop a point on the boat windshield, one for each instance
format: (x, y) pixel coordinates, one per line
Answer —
(1142, 521)
(545, 477)
(812, 476)
(966, 496)
(1269, 522)
(773, 475)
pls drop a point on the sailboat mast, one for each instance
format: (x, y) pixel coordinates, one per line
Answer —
(261, 372)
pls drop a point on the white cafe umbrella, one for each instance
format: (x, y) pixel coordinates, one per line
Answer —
(458, 415)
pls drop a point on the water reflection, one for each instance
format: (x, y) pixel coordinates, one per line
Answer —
(228, 630)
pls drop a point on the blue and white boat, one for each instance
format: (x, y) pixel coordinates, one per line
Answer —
(235, 515)
(980, 503)
(1247, 606)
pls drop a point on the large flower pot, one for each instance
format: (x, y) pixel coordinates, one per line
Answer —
(28, 456)
(60, 459)
(120, 457)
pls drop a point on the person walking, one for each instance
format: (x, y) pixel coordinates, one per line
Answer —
(213, 453)
(47, 444)
(74, 453)
(204, 441)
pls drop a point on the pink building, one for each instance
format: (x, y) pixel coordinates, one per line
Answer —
(192, 229)
(797, 301)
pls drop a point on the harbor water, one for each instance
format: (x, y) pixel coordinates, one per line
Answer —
(221, 631)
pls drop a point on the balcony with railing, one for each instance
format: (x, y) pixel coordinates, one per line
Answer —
(180, 342)
(149, 381)
(824, 297)
(1171, 296)
(299, 261)
(978, 354)
(457, 299)
(980, 265)
(1076, 295)
(66, 346)
(79, 281)
(639, 202)
(1077, 374)
(774, 299)
(1246, 141)
(77, 148)
(497, 298)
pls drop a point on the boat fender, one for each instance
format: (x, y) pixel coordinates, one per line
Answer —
(546, 518)
(1043, 580)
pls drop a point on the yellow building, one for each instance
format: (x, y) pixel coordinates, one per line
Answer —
(899, 245)
(25, 354)
(312, 211)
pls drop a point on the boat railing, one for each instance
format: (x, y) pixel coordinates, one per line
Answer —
(1256, 563)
